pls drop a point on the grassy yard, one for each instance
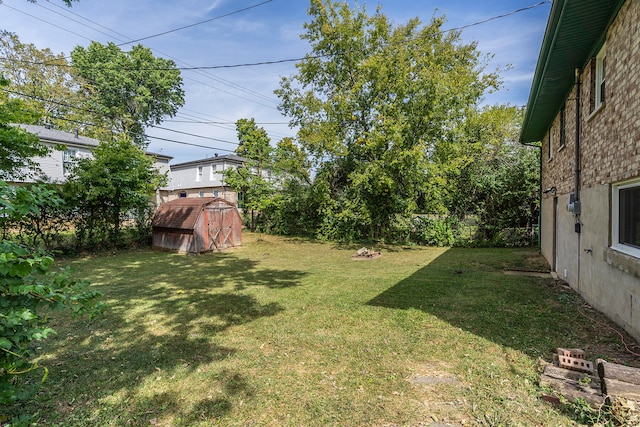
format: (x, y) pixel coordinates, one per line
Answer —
(290, 332)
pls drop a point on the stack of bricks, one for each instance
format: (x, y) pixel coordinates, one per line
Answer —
(574, 359)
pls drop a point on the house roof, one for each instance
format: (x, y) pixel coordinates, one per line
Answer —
(183, 213)
(60, 137)
(55, 136)
(227, 157)
(575, 30)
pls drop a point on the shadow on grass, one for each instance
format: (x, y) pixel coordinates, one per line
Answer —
(163, 318)
(468, 289)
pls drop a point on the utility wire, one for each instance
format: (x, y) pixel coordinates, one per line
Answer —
(194, 135)
(189, 143)
(184, 112)
(189, 67)
(46, 22)
(198, 23)
(103, 115)
(74, 20)
(125, 37)
(148, 136)
(504, 15)
(281, 61)
(220, 123)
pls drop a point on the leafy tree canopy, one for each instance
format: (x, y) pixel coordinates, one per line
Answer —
(18, 147)
(43, 80)
(117, 180)
(379, 106)
(128, 90)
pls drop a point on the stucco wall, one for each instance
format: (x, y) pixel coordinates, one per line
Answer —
(608, 279)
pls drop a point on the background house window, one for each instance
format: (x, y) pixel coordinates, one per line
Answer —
(626, 218)
(68, 161)
(214, 169)
(199, 174)
(182, 194)
(215, 193)
(201, 193)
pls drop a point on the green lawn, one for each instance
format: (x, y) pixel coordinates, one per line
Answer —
(291, 332)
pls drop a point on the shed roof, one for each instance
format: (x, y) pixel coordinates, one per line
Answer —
(183, 213)
(576, 28)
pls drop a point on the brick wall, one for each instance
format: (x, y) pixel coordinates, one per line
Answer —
(610, 137)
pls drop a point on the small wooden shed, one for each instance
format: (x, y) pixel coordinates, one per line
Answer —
(196, 225)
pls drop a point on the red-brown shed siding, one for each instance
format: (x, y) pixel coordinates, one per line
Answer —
(197, 225)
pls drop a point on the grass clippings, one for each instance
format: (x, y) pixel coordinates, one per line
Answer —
(291, 332)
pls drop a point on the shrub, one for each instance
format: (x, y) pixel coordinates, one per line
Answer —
(27, 286)
(435, 231)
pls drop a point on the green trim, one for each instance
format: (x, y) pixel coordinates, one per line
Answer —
(575, 30)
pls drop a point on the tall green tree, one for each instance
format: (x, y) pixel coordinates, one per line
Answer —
(498, 179)
(254, 178)
(117, 181)
(128, 91)
(17, 147)
(377, 106)
(43, 80)
(29, 287)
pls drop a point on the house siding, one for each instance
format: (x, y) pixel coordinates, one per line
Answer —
(51, 166)
(184, 179)
(609, 154)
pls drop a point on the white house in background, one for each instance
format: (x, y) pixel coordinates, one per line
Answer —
(56, 165)
(203, 178)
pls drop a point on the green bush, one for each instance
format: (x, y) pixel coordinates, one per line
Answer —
(435, 231)
(28, 286)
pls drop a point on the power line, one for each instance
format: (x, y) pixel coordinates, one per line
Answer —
(67, 10)
(46, 22)
(188, 68)
(227, 125)
(281, 61)
(197, 23)
(211, 76)
(189, 143)
(221, 123)
(74, 20)
(504, 15)
(148, 136)
(103, 115)
(194, 135)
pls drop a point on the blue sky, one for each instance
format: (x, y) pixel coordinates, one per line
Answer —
(216, 98)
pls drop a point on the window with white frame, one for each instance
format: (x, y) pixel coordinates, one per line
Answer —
(625, 233)
(600, 77)
(563, 127)
(199, 174)
(68, 161)
(201, 193)
(213, 170)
